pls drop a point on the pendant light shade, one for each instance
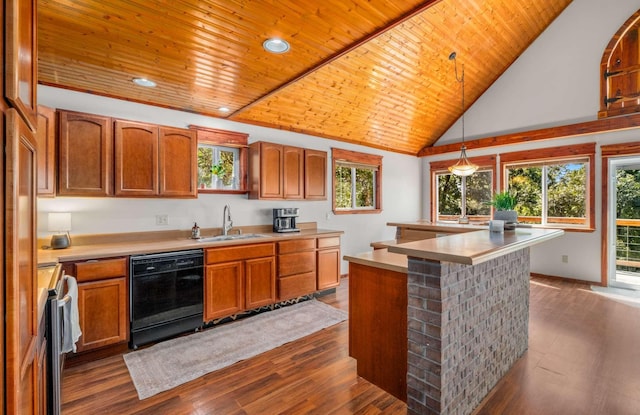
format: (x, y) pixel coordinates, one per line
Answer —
(463, 167)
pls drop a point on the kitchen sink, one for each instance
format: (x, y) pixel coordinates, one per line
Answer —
(221, 238)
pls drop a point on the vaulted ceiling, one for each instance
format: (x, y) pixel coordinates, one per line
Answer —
(370, 72)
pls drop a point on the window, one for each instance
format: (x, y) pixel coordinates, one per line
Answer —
(218, 167)
(447, 190)
(356, 182)
(222, 161)
(553, 187)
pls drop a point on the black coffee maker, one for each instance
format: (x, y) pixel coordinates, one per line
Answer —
(284, 219)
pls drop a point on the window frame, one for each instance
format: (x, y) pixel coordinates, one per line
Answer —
(226, 140)
(553, 155)
(484, 163)
(338, 157)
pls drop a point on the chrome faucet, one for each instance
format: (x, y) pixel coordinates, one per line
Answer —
(227, 223)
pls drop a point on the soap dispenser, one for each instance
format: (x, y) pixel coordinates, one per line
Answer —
(195, 231)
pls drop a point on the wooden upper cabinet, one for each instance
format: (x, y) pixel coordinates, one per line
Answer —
(46, 137)
(286, 172)
(85, 148)
(293, 172)
(136, 159)
(315, 175)
(178, 162)
(266, 161)
(21, 69)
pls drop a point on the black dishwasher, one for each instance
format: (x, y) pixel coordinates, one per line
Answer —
(166, 295)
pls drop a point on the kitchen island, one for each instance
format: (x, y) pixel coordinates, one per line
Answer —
(466, 314)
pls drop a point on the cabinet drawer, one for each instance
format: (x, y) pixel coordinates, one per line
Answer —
(328, 242)
(100, 270)
(296, 263)
(296, 245)
(296, 285)
(240, 252)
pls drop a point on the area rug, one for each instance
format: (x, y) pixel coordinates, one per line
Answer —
(173, 362)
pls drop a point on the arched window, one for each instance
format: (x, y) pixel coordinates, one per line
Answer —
(620, 71)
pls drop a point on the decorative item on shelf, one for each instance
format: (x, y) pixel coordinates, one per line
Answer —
(504, 204)
(60, 222)
(463, 166)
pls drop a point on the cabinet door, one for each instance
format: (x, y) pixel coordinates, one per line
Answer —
(46, 136)
(293, 172)
(102, 307)
(328, 268)
(224, 290)
(260, 282)
(315, 175)
(21, 69)
(136, 159)
(85, 146)
(178, 164)
(20, 266)
(271, 163)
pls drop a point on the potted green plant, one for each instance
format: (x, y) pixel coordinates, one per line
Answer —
(218, 171)
(504, 204)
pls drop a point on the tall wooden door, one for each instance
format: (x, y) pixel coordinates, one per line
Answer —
(136, 159)
(20, 265)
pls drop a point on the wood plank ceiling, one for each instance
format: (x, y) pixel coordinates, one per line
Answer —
(370, 72)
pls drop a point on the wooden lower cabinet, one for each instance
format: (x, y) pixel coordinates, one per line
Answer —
(103, 313)
(238, 278)
(328, 268)
(260, 282)
(378, 326)
(102, 302)
(296, 268)
(328, 260)
(224, 287)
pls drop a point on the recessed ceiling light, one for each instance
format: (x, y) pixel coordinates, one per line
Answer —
(223, 109)
(144, 82)
(275, 45)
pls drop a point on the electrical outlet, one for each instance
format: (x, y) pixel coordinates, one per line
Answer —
(162, 220)
(565, 259)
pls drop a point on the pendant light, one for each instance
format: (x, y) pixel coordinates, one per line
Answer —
(463, 166)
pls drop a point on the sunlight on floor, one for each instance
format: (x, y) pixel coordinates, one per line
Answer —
(629, 297)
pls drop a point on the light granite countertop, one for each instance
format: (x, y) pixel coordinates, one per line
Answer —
(475, 247)
(380, 258)
(463, 243)
(147, 246)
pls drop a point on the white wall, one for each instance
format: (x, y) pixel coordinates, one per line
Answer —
(555, 81)
(401, 184)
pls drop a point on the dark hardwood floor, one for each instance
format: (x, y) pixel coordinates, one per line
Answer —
(583, 358)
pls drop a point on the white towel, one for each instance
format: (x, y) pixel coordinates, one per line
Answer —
(71, 319)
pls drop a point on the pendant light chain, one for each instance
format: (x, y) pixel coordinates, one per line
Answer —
(463, 167)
